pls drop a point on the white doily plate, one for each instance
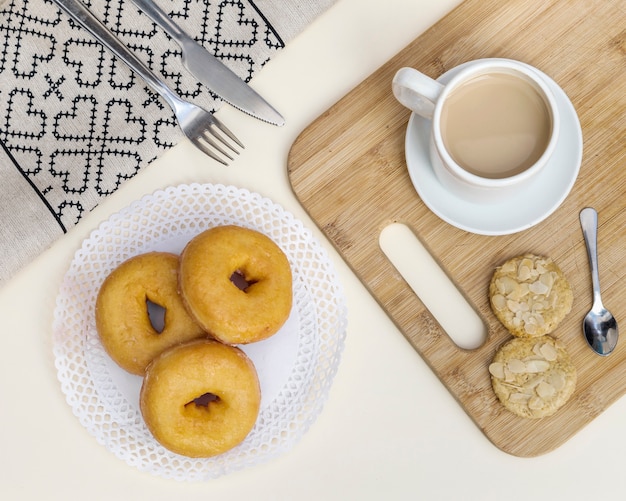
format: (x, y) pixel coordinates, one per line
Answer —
(296, 366)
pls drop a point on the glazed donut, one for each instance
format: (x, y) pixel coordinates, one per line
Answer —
(236, 283)
(201, 398)
(122, 319)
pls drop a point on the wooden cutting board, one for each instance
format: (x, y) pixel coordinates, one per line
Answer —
(348, 170)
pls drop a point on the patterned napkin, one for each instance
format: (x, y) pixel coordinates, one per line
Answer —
(75, 123)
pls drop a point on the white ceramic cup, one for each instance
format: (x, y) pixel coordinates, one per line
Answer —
(431, 100)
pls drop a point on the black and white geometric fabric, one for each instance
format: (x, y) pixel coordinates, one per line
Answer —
(75, 122)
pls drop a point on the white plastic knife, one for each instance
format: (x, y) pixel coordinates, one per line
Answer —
(210, 71)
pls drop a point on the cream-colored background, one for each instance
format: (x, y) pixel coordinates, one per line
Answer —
(389, 430)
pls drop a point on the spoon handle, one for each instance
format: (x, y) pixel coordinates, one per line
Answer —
(589, 223)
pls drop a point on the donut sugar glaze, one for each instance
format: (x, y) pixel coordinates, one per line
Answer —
(201, 398)
(237, 283)
(122, 319)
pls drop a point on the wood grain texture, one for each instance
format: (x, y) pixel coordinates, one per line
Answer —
(348, 170)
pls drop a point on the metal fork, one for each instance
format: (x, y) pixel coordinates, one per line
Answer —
(204, 130)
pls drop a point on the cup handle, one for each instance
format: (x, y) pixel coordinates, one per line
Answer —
(416, 91)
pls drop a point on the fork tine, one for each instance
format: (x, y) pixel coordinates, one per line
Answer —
(207, 151)
(208, 136)
(225, 130)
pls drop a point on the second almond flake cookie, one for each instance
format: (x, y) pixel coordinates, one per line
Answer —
(533, 377)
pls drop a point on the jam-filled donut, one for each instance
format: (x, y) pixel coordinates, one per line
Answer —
(237, 283)
(201, 398)
(141, 284)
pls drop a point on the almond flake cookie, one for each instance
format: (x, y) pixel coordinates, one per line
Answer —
(530, 295)
(533, 377)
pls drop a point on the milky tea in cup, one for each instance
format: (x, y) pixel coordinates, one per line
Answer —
(494, 126)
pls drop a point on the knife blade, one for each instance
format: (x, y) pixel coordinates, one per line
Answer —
(210, 71)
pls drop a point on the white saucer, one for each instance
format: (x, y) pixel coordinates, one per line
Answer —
(520, 212)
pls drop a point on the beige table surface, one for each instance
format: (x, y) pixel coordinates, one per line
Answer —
(389, 429)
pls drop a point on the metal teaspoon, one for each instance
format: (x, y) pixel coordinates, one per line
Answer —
(599, 326)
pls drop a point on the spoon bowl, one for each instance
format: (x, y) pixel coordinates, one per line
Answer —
(600, 329)
(599, 326)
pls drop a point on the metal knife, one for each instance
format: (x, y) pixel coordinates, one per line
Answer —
(210, 71)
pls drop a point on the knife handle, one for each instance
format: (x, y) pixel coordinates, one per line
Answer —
(153, 11)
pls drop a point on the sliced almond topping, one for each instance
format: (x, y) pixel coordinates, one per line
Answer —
(533, 357)
(557, 380)
(506, 285)
(532, 320)
(499, 301)
(539, 287)
(528, 262)
(523, 289)
(535, 403)
(516, 366)
(547, 278)
(516, 295)
(549, 352)
(535, 366)
(524, 271)
(508, 267)
(496, 369)
(545, 390)
(530, 327)
(514, 306)
(533, 382)
(518, 397)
